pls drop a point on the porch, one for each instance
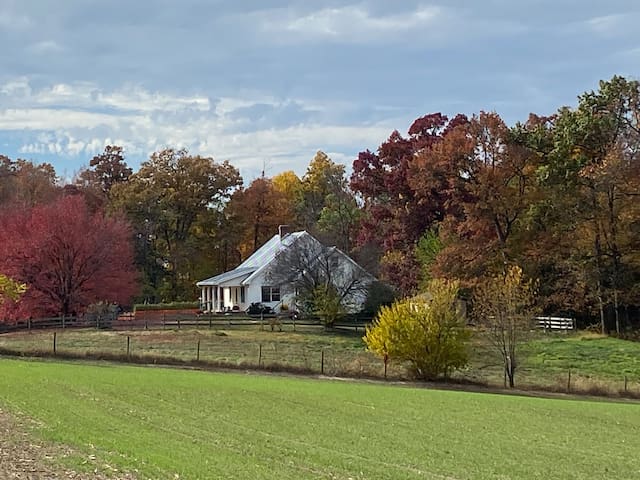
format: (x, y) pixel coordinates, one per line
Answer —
(219, 298)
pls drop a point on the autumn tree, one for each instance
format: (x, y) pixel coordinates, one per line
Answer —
(25, 184)
(592, 181)
(105, 170)
(492, 186)
(504, 307)
(322, 178)
(397, 209)
(260, 209)
(430, 335)
(68, 257)
(168, 202)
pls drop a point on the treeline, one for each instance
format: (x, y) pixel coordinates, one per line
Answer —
(459, 197)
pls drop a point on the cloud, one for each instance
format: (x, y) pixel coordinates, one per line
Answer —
(89, 96)
(359, 25)
(45, 47)
(80, 119)
(354, 21)
(614, 24)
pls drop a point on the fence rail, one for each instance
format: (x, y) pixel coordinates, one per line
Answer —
(556, 323)
(173, 321)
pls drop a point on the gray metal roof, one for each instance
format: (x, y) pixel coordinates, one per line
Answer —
(227, 276)
(259, 259)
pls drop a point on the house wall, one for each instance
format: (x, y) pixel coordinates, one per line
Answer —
(254, 292)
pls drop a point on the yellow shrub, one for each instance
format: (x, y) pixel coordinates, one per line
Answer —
(430, 335)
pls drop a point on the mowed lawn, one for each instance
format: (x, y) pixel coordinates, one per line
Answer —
(170, 423)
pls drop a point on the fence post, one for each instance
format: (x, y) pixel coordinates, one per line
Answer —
(178, 324)
(386, 362)
(260, 355)
(63, 322)
(569, 381)
(322, 361)
(128, 345)
(29, 324)
(198, 352)
(54, 342)
(625, 384)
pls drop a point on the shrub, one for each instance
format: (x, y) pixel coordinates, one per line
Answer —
(430, 335)
(259, 308)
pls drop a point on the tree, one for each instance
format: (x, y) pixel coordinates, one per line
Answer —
(259, 209)
(24, 184)
(492, 186)
(504, 307)
(592, 171)
(105, 170)
(339, 220)
(323, 279)
(68, 256)
(323, 177)
(169, 201)
(430, 335)
(402, 195)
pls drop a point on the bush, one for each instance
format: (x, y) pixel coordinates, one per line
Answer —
(379, 294)
(259, 309)
(431, 336)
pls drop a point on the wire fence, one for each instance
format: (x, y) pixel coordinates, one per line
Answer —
(202, 342)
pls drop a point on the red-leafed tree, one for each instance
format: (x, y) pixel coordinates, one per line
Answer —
(67, 256)
(398, 206)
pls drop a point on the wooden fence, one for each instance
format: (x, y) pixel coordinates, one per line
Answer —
(556, 323)
(176, 321)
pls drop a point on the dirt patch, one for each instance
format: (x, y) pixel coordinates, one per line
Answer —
(23, 458)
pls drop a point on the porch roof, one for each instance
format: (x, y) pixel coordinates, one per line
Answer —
(238, 274)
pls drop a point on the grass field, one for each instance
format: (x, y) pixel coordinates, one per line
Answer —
(597, 364)
(169, 424)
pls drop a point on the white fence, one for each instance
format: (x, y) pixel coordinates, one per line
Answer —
(555, 323)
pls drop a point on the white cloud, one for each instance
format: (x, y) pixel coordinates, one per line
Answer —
(45, 47)
(357, 24)
(86, 95)
(61, 122)
(353, 23)
(614, 24)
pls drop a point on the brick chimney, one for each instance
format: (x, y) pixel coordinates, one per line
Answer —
(283, 231)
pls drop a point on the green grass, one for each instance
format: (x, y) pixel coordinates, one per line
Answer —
(197, 425)
(597, 364)
(590, 354)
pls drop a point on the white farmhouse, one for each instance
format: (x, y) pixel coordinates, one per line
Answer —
(254, 281)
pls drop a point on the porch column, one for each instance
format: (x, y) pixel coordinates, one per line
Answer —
(220, 299)
(204, 299)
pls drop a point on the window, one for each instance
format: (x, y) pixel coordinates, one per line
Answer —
(242, 300)
(270, 294)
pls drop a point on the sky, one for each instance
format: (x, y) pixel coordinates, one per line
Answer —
(267, 83)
